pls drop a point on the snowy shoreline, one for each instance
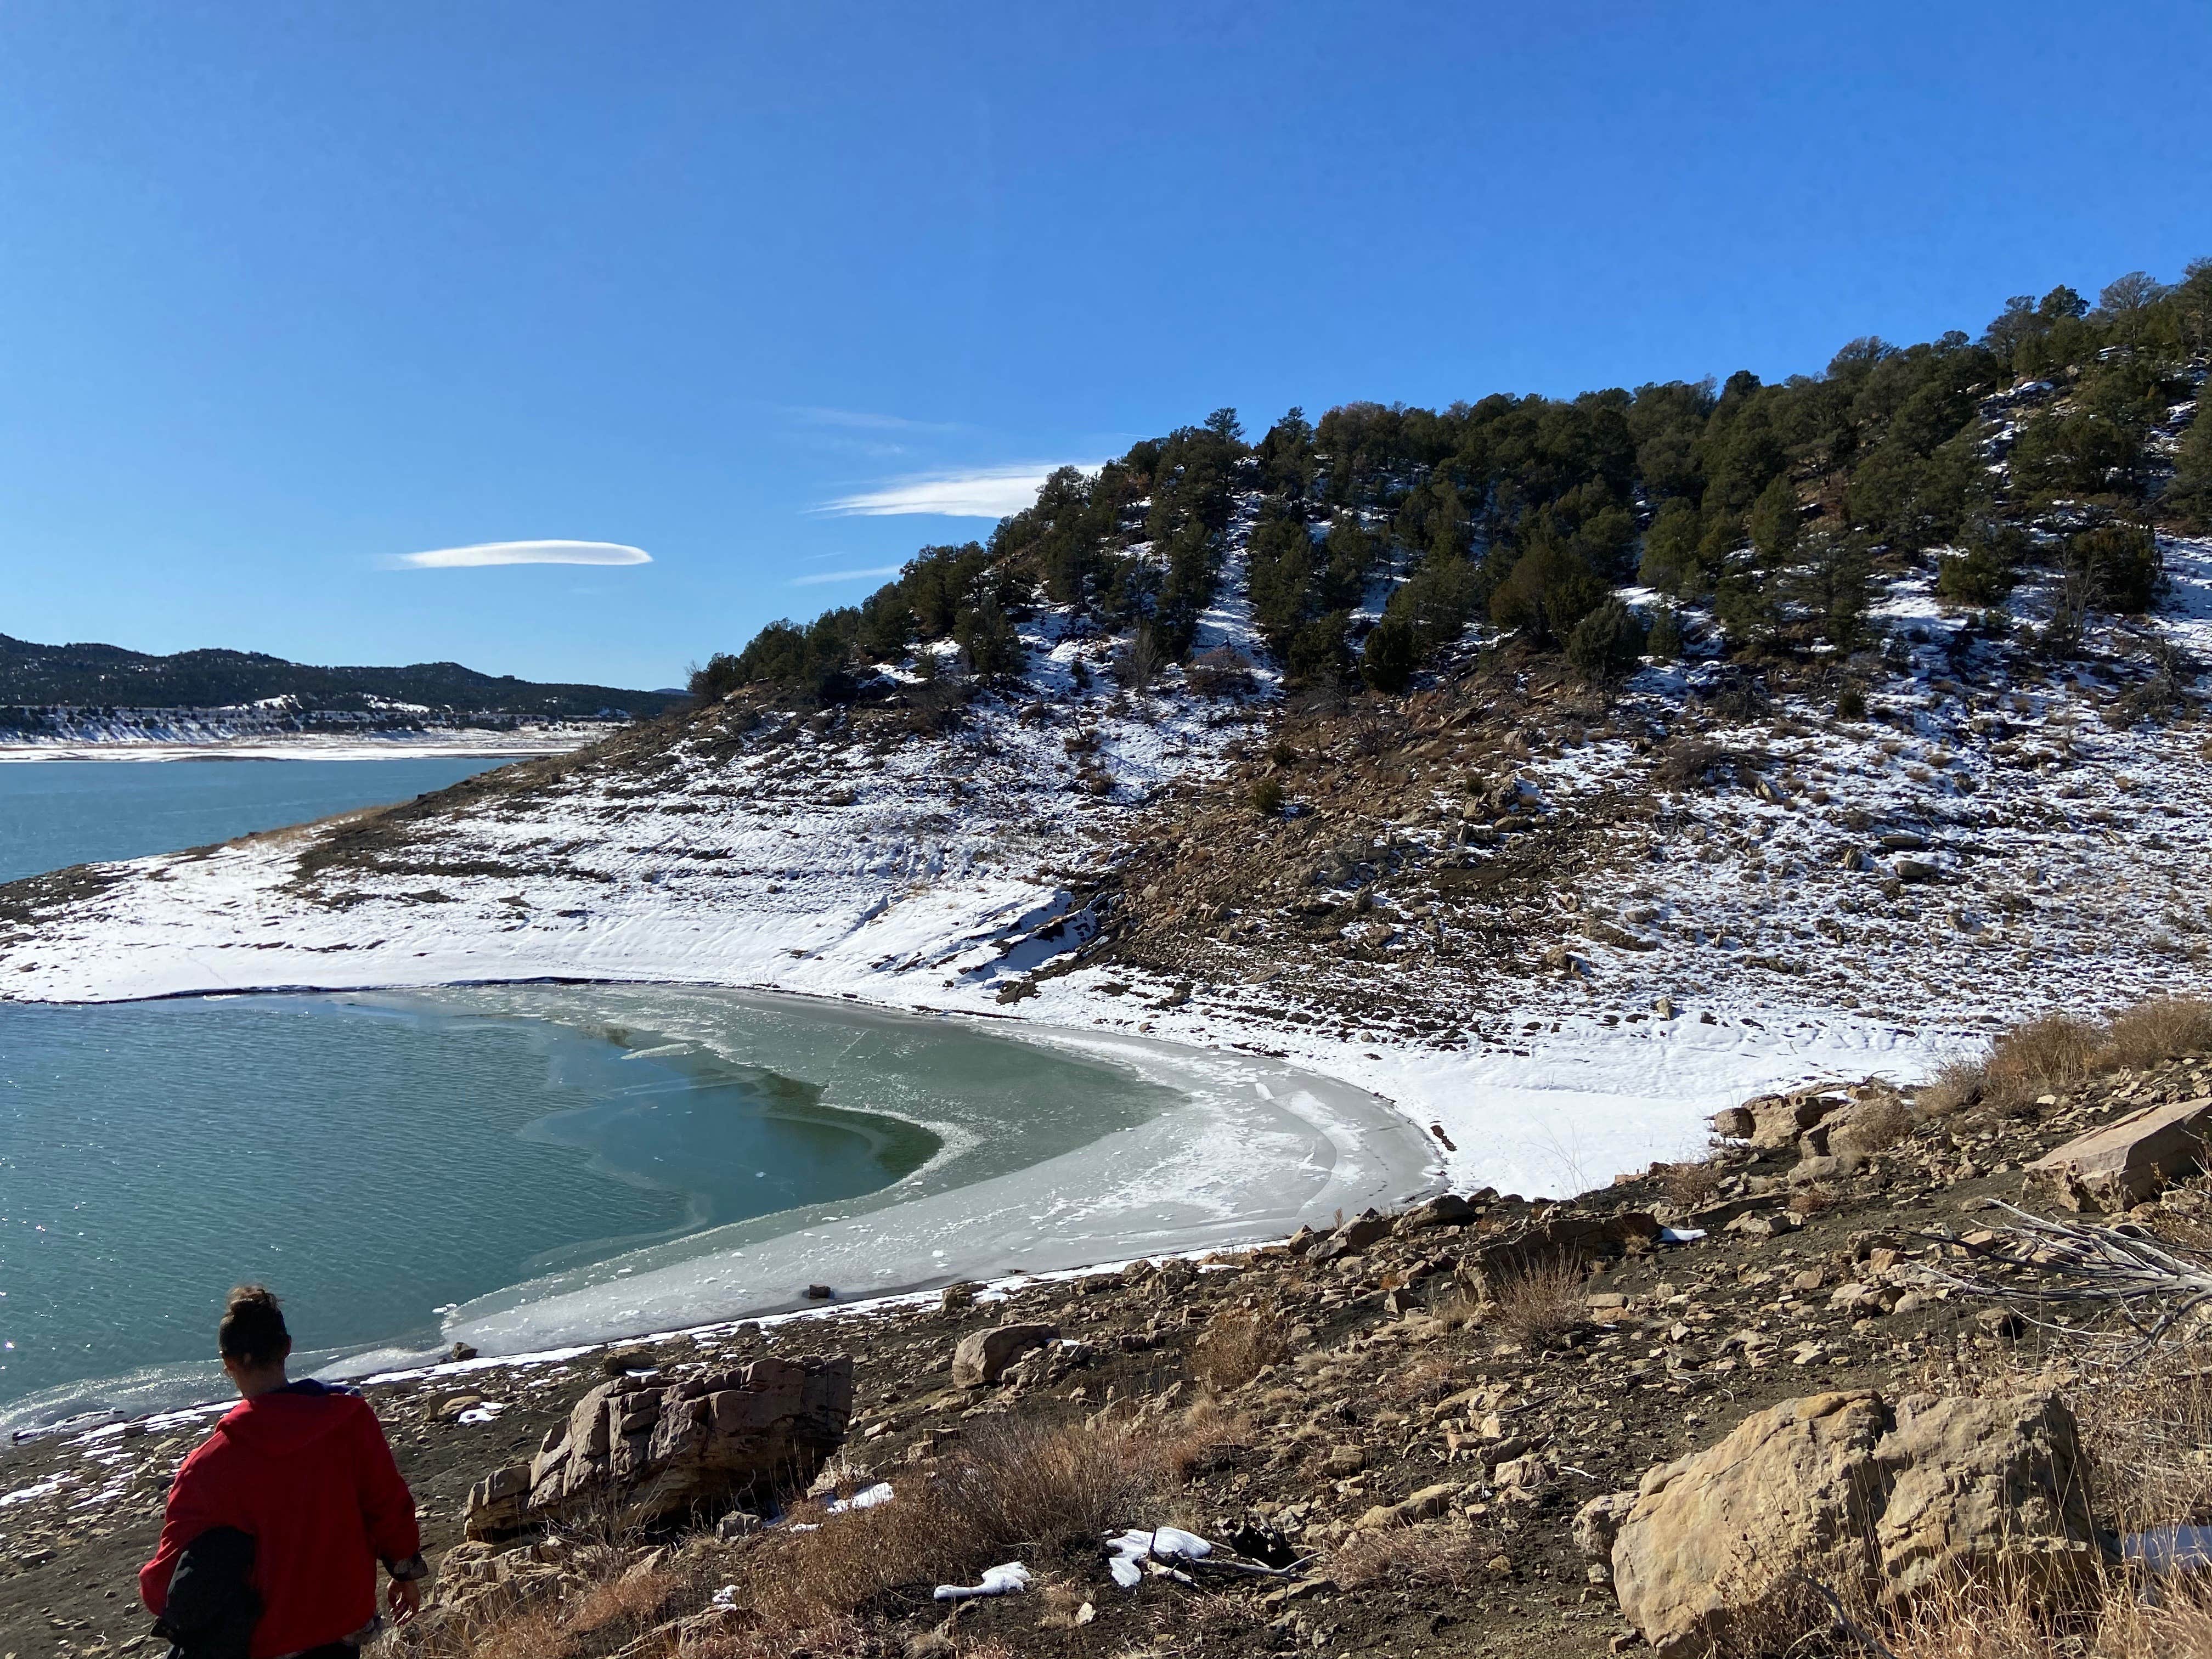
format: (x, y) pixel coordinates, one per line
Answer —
(1244, 1150)
(488, 745)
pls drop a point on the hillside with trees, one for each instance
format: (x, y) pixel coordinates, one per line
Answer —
(1754, 518)
(42, 676)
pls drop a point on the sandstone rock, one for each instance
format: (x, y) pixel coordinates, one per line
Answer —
(1444, 1209)
(1424, 1505)
(652, 1456)
(982, 1357)
(1353, 1238)
(1875, 1503)
(2124, 1162)
(1598, 1522)
(1999, 1482)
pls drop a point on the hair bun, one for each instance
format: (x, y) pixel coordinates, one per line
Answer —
(252, 1327)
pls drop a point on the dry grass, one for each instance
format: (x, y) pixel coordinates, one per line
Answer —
(1980, 1621)
(630, 1603)
(526, 1636)
(1018, 1491)
(1956, 1085)
(2159, 1029)
(2147, 1430)
(1439, 1557)
(1235, 1348)
(2055, 1054)
(1539, 1303)
(1690, 1185)
(1426, 1381)
(1200, 1440)
(1811, 1201)
(1456, 1309)
(2041, 1056)
(1876, 1127)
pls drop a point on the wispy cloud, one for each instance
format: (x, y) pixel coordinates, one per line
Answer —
(485, 553)
(986, 493)
(822, 576)
(863, 420)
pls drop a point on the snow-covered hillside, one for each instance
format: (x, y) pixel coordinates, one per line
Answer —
(1804, 895)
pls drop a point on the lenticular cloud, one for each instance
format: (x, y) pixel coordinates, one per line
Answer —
(484, 553)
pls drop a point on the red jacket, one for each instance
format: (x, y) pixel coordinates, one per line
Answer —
(305, 1471)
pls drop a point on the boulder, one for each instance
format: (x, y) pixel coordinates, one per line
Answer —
(1353, 1238)
(1444, 1209)
(982, 1357)
(1424, 1505)
(1873, 1502)
(1774, 1121)
(2127, 1161)
(1568, 1235)
(651, 1458)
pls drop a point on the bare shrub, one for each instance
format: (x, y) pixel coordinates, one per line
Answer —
(1441, 1557)
(1690, 1185)
(1541, 1302)
(1956, 1085)
(2038, 1057)
(1235, 1348)
(2055, 1053)
(2158, 1029)
(1047, 1488)
(1811, 1201)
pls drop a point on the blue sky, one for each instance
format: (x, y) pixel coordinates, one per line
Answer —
(287, 294)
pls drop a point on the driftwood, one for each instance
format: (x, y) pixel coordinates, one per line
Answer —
(2153, 1285)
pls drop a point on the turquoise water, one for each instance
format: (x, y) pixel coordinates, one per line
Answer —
(372, 1162)
(54, 813)
(379, 1158)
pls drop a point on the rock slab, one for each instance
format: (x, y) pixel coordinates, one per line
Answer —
(1873, 1502)
(652, 1457)
(2127, 1161)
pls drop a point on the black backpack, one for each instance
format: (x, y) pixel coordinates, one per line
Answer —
(212, 1608)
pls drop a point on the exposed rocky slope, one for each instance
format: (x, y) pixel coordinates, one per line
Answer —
(1408, 1416)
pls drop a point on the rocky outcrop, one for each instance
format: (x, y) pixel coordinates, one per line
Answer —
(2126, 1162)
(652, 1456)
(981, 1357)
(1578, 1236)
(1848, 1124)
(1872, 1503)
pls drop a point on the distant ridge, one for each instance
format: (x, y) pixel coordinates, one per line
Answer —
(34, 677)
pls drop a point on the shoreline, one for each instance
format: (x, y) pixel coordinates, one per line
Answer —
(1214, 1171)
(510, 747)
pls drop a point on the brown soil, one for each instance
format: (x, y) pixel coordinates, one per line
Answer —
(1376, 1390)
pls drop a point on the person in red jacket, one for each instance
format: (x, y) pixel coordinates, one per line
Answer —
(305, 1471)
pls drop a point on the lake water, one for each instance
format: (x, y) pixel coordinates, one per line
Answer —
(54, 813)
(529, 1166)
(379, 1158)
